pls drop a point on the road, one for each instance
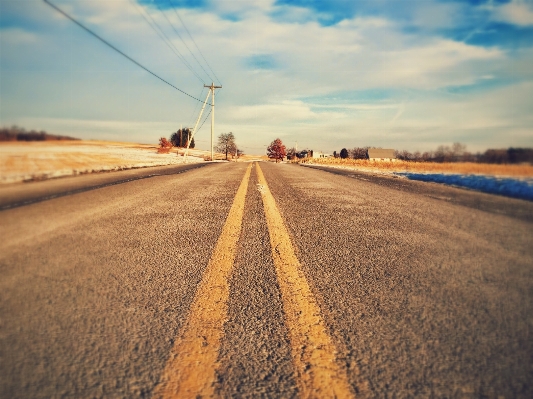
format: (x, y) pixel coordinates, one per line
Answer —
(263, 280)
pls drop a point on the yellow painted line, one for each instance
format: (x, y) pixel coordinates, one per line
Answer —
(191, 368)
(318, 373)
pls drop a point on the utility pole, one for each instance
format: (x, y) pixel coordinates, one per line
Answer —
(194, 128)
(212, 89)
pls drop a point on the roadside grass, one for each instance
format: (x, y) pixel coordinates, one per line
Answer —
(428, 167)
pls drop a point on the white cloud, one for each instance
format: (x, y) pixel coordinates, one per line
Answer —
(516, 12)
(344, 61)
(279, 114)
(242, 9)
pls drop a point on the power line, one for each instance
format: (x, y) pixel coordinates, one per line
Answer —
(165, 38)
(207, 116)
(189, 33)
(116, 49)
(191, 118)
(183, 41)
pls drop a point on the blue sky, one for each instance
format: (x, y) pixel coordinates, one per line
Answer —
(323, 74)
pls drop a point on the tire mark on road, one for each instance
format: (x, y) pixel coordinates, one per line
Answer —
(190, 371)
(318, 373)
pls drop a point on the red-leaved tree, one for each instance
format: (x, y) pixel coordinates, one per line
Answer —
(164, 143)
(276, 150)
(164, 146)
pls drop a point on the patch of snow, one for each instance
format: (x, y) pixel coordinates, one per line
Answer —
(26, 162)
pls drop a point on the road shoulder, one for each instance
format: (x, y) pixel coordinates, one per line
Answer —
(511, 207)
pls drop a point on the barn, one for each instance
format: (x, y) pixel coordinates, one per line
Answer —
(381, 154)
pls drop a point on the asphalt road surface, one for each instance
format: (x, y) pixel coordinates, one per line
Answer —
(263, 280)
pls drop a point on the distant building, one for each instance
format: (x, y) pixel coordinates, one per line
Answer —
(381, 154)
(312, 154)
(305, 154)
(320, 155)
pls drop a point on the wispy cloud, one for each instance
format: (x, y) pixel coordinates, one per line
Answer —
(373, 72)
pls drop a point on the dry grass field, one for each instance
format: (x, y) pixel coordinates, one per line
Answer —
(37, 160)
(427, 167)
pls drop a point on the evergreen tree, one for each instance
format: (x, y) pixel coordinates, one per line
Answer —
(344, 153)
(181, 138)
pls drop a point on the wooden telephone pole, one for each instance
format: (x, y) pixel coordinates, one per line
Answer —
(212, 89)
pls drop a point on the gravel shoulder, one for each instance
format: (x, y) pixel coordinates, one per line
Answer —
(21, 194)
(515, 208)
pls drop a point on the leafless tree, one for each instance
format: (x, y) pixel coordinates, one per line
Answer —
(226, 144)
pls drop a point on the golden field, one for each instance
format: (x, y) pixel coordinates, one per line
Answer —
(38, 160)
(426, 167)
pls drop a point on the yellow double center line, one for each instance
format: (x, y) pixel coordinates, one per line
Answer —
(317, 373)
(191, 369)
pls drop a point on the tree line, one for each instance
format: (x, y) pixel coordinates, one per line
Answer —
(226, 142)
(15, 133)
(457, 152)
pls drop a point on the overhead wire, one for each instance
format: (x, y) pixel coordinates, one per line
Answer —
(196, 45)
(191, 117)
(167, 41)
(116, 49)
(183, 41)
(160, 32)
(194, 133)
(207, 116)
(188, 48)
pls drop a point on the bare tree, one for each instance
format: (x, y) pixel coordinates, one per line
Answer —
(457, 152)
(226, 144)
(404, 155)
(359, 153)
(291, 153)
(443, 153)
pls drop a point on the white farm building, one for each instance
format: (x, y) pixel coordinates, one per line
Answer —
(381, 154)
